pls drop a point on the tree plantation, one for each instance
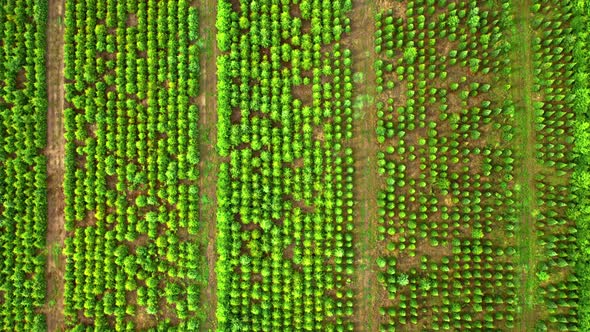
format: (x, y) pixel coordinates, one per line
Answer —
(295, 165)
(448, 206)
(23, 211)
(285, 217)
(131, 213)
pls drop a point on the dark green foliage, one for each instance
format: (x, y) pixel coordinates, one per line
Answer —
(445, 211)
(581, 176)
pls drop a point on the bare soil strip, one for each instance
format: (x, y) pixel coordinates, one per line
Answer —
(209, 158)
(522, 83)
(365, 151)
(55, 167)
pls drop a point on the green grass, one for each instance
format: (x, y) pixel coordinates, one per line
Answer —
(360, 102)
(205, 201)
(522, 85)
(56, 252)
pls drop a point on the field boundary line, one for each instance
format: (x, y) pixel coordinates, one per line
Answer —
(55, 153)
(209, 158)
(365, 148)
(522, 84)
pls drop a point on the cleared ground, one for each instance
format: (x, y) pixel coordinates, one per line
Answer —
(209, 158)
(365, 150)
(55, 167)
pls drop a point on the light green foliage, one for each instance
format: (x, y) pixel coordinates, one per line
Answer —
(131, 180)
(23, 186)
(285, 204)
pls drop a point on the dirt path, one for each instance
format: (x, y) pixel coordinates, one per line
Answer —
(367, 181)
(522, 82)
(209, 157)
(55, 167)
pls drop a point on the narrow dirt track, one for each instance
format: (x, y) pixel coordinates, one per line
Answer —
(365, 151)
(209, 157)
(522, 82)
(55, 167)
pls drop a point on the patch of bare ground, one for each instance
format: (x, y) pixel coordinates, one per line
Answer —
(21, 78)
(434, 254)
(131, 20)
(302, 93)
(54, 152)
(288, 252)
(210, 160)
(83, 320)
(166, 312)
(143, 319)
(141, 241)
(300, 204)
(236, 115)
(398, 8)
(399, 93)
